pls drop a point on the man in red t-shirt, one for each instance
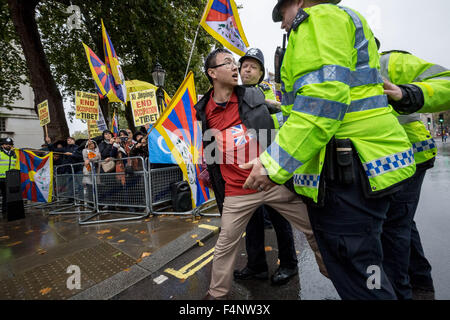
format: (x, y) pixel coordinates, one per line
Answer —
(238, 118)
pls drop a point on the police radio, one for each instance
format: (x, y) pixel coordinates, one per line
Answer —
(279, 55)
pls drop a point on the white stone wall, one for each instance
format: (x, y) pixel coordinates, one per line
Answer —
(22, 122)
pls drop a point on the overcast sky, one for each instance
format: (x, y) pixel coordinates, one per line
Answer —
(398, 24)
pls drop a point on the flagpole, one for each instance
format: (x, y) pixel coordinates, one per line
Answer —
(192, 51)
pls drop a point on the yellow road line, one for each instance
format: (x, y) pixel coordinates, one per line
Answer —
(183, 274)
(209, 227)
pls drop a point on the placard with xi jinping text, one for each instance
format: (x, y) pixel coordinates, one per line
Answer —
(144, 106)
(86, 105)
(44, 115)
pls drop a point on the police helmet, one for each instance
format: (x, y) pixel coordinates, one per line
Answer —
(8, 141)
(276, 14)
(256, 54)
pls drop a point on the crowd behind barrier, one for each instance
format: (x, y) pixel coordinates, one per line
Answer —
(137, 191)
(111, 175)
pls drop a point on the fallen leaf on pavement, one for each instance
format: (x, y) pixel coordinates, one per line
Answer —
(103, 231)
(41, 251)
(194, 236)
(117, 254)
(14, 244)
(29, 231)
(4, 238)
(145, 254)
(45, 291)
(200, 244)
(126, 270)
(143, 232)
(123, 230)
(120, 241)
(109, 238)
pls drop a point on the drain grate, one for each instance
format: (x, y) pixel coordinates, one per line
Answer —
(49, 281)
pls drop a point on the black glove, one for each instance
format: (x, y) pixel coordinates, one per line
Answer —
(412, 100)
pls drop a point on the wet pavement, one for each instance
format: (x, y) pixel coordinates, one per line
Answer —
(35, 252)
(433, 220)
(131, 260)
(188, 277)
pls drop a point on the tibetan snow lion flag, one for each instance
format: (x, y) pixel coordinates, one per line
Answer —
(36, 175)
(99, 73)
(182, 132)
(221, 20)
(118, 88)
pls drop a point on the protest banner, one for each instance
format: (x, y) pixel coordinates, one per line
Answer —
(86, 105)
(44, 115)
(144, 106)
(93, 129)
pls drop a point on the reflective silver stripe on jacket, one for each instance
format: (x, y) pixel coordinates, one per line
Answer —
(430, 72)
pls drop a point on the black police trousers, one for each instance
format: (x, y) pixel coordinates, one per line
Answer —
(401, 241)
(348, 232)
(3, 193)
(254, 240)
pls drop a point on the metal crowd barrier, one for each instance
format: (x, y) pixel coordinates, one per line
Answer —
(65, 182)
(136, 192)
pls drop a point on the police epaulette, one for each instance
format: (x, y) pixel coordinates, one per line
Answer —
(299, 18)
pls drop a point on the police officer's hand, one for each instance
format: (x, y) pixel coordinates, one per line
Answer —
(394, 92)
(274, 103)
(258, 178)
(48, 140)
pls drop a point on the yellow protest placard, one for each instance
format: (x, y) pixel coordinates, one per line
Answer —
(44, 115)
(93, 129)
(86, 105)
(144, 106)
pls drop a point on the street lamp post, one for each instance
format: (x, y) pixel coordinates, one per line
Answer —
(159, 76)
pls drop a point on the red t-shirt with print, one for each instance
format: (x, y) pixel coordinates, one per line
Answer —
(236, 145)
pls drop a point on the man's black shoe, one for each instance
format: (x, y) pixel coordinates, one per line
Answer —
(247, 273)
(282, 276)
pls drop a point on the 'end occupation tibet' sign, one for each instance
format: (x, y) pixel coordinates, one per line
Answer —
(44, 115)
(86, 105)
(145, 107)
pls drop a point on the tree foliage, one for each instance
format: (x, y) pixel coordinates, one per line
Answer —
(13, 72)
(142, 33)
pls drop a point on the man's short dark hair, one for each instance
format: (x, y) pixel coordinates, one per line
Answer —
(211, 60)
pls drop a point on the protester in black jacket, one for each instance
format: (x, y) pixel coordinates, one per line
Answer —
(70, 151)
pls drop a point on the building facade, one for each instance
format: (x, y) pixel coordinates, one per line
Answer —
(21, 122)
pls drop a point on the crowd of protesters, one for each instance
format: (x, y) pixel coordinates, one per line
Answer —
(116, 157)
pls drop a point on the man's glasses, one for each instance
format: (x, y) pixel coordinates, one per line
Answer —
(228, 64)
